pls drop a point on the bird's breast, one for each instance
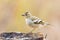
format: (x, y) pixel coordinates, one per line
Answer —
(29, 21)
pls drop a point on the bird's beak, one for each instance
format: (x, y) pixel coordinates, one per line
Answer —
(23, 15)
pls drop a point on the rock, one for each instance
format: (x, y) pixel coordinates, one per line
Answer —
(21, 36)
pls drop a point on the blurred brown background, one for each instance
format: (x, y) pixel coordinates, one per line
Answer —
(11, 11)
(48, 10)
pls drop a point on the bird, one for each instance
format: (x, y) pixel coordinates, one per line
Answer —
(33, 21)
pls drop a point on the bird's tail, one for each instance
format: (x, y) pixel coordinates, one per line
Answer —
(47, 24)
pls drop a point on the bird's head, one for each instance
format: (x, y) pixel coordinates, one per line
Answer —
(26, 14)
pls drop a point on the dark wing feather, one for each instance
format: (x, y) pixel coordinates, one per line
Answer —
(37, 20)
(40, 22)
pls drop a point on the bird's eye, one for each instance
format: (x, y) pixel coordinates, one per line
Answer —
(26, 13)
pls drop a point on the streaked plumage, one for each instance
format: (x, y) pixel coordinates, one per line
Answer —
(33, 21)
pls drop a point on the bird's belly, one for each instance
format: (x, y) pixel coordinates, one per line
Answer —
(30, 23)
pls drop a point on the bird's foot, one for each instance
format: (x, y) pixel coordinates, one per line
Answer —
(29, 32)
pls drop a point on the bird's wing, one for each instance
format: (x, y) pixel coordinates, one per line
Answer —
(37, 20)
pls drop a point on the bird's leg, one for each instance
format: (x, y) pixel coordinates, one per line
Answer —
(32, 30)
